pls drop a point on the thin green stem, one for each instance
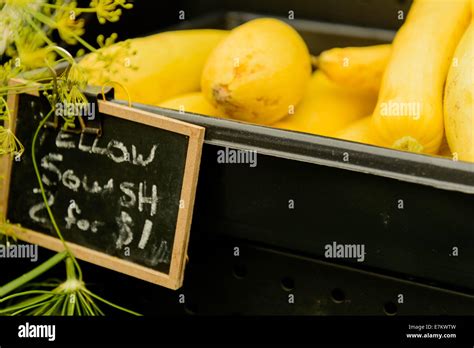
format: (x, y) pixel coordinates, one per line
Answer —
(24, 309)
(70, 272)
(43, 192)
(28, 303)
(87, 309)
(7, 109)
(25, 278)
(71, 303)
(78, 306)
(77, 9)
(54, 283)
(25, 293)
(38, 29)
(95, 308)
(49, 22)
(56, 305)
(36, 312)
(64, 306)
(45, 307)
(82, 41)
(112, 304)
(25, 88)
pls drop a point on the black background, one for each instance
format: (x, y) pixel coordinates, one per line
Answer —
(151, 16)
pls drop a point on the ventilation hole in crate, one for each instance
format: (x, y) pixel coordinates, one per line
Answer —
(287, 283)
(401, 2)
(190, 308)
(338, 295)
(239, 271)
(390, 308)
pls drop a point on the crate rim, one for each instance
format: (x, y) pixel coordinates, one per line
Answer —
(315, 149)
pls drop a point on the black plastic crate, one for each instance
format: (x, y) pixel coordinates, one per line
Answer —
(262, 281)
(342, 191)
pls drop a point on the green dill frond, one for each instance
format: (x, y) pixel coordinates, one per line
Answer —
(71, 297)
(26, 27)
(9, 70)
(103, 65)
(9, 143)
(7, 231)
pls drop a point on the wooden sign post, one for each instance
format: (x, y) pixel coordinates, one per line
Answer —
(123, 200)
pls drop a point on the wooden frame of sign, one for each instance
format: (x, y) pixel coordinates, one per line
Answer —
(174, 278)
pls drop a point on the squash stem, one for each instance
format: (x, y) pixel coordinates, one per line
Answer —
(408, 143)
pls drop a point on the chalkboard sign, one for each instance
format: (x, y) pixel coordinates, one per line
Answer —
(122, 199)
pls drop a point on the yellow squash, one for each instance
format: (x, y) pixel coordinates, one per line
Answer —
(327, 107)
(409, 112)
(192, 102)
(459, 99)
(361, 68)
(164, 65)
(359, 131)
(444, 150)
(259, 72)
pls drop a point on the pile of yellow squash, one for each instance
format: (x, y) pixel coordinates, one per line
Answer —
(415, 94)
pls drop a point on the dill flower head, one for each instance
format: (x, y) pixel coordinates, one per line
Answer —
(68, 27)
(7, 71)
(109, 10)
(104, 64)
(70, 91)
(30, 49)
